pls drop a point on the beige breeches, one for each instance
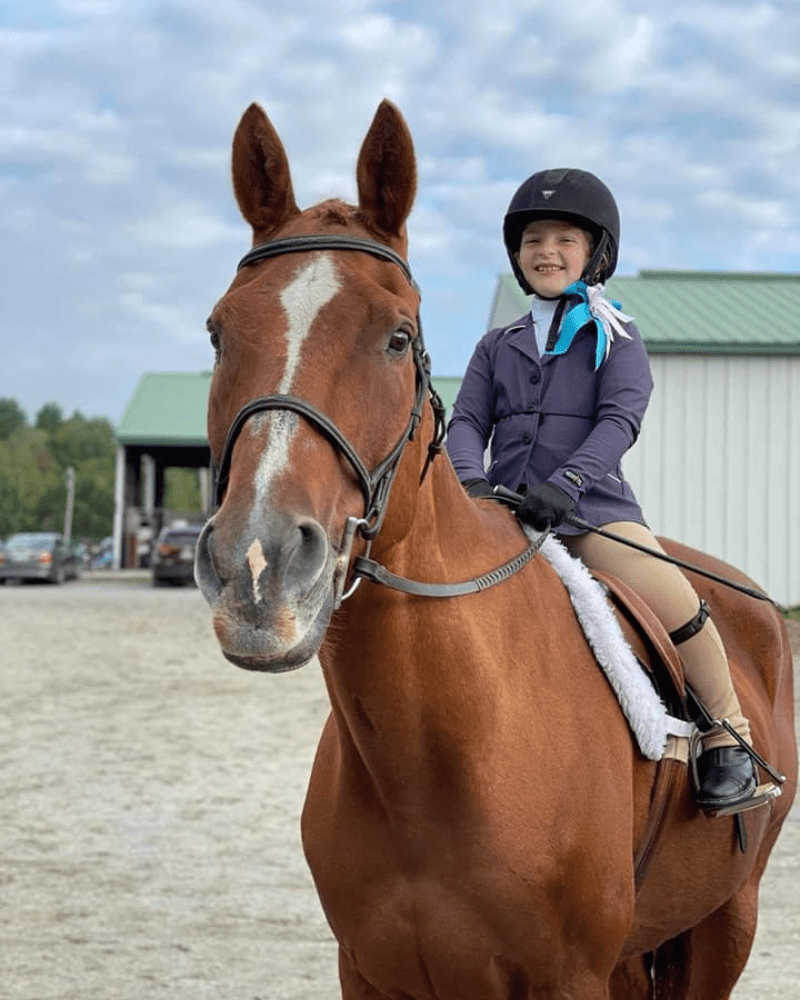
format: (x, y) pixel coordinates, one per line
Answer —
(673, 599)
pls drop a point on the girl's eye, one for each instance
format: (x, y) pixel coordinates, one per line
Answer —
(399, 343)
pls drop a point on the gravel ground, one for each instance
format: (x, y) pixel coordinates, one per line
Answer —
(150, 812)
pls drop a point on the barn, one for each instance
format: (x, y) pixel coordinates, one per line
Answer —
(717, 464)
(163, 426)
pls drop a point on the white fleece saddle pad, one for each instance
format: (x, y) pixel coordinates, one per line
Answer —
(650, 722)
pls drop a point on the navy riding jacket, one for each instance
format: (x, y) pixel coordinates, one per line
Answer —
(553, 417)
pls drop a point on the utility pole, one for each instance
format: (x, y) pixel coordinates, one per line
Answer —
(69, 476)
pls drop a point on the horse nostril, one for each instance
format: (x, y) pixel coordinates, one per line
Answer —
(205, 572)
(306, 554)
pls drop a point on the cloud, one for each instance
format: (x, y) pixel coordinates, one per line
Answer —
(116, 212)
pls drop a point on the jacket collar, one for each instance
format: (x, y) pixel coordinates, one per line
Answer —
(522, 338)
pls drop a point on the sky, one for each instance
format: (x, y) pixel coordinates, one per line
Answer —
(119, 230)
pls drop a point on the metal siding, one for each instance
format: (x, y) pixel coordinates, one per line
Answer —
(717, 464)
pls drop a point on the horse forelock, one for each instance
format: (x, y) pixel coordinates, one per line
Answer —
(334, 214)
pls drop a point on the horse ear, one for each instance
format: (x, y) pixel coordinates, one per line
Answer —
(387, 171)
(262, 181)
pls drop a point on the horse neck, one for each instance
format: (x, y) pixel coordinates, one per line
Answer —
(427, 675)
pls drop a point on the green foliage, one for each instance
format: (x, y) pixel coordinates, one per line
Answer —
(33, 464)
(49, 418)
(182, 490)
(12, 418)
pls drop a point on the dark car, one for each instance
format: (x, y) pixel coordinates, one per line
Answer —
(172, 556)
(38, 555)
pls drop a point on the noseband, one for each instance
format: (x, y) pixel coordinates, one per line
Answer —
(375, 485)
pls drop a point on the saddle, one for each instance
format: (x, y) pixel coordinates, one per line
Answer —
(654, 649)
(650, 643)
(652, 646)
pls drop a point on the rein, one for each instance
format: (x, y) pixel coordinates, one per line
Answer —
(513, 500)
(368, 569)
(375, 485)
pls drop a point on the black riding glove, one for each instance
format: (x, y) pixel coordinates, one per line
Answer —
(546, 506)
(478, 487)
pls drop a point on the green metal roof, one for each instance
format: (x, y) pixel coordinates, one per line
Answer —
(706, 312)
(169, 408)
(713, 312)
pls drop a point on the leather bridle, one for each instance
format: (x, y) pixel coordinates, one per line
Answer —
(375, 485)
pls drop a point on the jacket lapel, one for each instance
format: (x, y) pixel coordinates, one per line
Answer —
(523, 339)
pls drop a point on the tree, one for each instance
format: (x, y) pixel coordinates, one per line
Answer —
(49, 418)
(12, 418)
(182, 490)
(79, 440)
(27, 473)
(33, 461)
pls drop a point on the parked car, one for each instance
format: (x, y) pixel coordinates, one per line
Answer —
(103, 557)
(38, 555)
(80, 557)
(172, 556)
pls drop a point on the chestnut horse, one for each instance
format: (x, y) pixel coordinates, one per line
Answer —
(477, 799)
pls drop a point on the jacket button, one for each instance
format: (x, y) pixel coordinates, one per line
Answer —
(535, 377)
(526, 438)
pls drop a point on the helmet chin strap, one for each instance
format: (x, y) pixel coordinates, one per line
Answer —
(586, 276)
(555, 318)
(594, 260)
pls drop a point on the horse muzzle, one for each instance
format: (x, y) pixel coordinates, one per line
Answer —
(270, 589)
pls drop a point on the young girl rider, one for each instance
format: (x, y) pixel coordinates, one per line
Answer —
(561, 394)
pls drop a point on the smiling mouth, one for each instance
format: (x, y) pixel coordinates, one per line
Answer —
(548, 268)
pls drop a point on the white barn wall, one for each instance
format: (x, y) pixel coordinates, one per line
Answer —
(717, 465)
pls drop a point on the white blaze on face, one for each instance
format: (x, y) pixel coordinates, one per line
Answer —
(257, 564)
(303, 298)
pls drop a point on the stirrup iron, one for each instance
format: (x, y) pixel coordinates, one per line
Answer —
(763, 793)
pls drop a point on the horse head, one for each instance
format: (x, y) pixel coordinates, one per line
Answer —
(317, 388)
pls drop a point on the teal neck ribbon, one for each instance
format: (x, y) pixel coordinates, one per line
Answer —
(591, 307)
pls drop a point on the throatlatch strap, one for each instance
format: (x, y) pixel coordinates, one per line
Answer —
(692, 627)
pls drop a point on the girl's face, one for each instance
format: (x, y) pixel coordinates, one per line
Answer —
(552, 255)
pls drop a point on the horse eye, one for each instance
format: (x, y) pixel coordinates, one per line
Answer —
(399, 342)
(213, 336)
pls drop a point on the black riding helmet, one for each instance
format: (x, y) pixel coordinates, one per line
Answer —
(575, 196)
